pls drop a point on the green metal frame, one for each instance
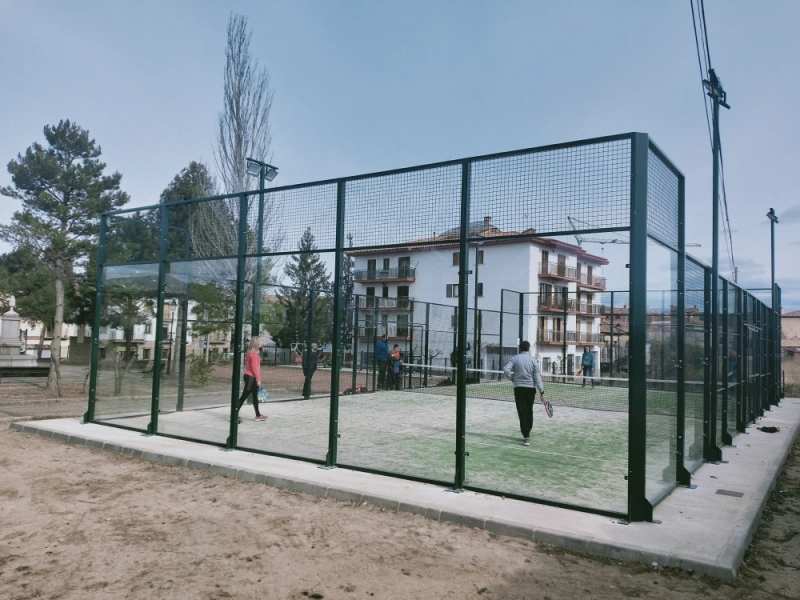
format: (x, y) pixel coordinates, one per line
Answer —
(757, 325)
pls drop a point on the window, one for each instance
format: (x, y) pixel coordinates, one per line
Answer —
(480, 257)
(456, 258)
(480, 288)
(546, 364)
(148, 327)
(402, 325)
(386, 264)
(146, 353)
(402, 291)
(404, 266)
(370, 297)
(452, 290)
(371, 267)
(385, 291)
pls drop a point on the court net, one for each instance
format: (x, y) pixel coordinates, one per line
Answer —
(591, 393)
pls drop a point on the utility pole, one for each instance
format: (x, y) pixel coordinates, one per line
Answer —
(714, 89)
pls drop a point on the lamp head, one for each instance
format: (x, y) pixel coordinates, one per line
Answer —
(772, 216)
(256, 167)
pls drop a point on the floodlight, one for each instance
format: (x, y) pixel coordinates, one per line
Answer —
(253, 167)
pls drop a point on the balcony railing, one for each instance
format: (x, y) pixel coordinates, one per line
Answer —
(557, 336)
(591, 309)
(593, 280)
(558, 270)
(402, 303)
(555, 301)
(401, 273)
(392, 331)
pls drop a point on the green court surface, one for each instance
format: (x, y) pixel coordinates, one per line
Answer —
(579, 457)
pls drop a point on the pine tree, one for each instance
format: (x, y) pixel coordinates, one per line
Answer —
(310, 283)
(63, 192)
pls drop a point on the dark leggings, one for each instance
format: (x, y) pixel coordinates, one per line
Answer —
(524, 398)
(250, 387)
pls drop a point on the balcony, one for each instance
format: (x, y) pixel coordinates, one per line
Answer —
(392, 331)
(555, 303)
(558, 271)
(398, 274)
(590, 309)
(591, 281)
(556, 336)
(402, 303)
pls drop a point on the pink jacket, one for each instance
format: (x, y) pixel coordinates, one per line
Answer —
(252, 365)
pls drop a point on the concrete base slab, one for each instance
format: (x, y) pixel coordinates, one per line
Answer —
(705, 529)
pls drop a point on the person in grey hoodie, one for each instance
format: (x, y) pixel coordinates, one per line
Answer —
(524, 371)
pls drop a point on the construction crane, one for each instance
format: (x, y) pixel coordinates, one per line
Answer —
(580, 239)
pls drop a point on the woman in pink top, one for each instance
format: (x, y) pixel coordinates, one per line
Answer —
(252, 378)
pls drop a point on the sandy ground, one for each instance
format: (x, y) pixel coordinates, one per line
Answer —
(76, 522)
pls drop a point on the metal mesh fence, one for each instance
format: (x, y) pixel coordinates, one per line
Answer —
(184, 287)
(662, 200)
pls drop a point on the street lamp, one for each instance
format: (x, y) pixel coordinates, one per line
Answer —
(773, 218)
(172, 305)
(263, 171)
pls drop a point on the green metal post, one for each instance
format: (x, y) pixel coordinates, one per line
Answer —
(255, 329)
(639, 508)
(565, 300)
(152, 427)
(741, 349)
(182, 351)
(88, 417)
(611, 349)
(683, 476)
(312, 296)
(354, 357)
(427, 342)
(338, 355)
(238, 327)
(726, 436)
(461, 346)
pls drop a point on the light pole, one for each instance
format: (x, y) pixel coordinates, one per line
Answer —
(172, 306)
(268, 172)
(773, 218)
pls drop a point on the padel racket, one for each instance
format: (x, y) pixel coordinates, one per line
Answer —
(548, 408)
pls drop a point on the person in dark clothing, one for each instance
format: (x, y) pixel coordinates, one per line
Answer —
(587, 365)
(395, 379)
(524, 371)
(381, 358)
(310, 359)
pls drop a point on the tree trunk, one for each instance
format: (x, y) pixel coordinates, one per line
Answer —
(40, 346)
(54, 379)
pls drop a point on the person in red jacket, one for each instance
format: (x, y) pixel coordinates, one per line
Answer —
(252, 378)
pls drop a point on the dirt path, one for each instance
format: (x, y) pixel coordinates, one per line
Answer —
(77, 522)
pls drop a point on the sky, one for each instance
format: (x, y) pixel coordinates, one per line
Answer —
(363, 86)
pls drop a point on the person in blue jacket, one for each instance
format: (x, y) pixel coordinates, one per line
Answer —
(587, 364)
(381, 358)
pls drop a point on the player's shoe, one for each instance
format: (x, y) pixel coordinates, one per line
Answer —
(526, 442)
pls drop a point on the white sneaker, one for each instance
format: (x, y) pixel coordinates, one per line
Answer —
(526, 442)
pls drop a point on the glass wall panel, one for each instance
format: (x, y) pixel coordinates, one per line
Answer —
(199, 311)
(694, 361)
(402, 418)
(127, 355)
(661, 362)
(580, 455)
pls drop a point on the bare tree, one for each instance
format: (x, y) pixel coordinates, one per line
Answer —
(244, 132)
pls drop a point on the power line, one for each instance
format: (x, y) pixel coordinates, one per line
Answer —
(702, 47)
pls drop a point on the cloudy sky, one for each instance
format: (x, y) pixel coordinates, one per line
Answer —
(362, 86)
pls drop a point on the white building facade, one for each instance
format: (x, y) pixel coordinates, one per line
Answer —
(403, 278)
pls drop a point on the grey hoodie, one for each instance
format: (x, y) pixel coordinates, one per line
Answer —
(524, 371)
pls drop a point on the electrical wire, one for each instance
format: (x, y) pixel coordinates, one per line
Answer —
(702, 47)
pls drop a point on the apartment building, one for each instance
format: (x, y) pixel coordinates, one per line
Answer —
(395, 279)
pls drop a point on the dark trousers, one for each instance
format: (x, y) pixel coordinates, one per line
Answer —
(250, 388)
(381, 374)
(588, 372)
(307, 384)
(524, 398)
